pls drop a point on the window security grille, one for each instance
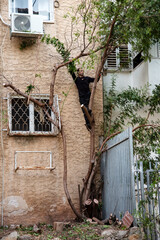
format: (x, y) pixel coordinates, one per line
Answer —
(31, 119)
(119, 58)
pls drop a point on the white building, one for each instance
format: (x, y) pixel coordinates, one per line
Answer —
(137, 73)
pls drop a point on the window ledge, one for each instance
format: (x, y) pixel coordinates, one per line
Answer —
(34, 168)
(48, 22)
(113, 70)
(12, 134)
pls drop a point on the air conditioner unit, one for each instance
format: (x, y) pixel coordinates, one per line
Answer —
(26, 25)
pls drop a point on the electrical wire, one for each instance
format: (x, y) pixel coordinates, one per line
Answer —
(8, 25)
(2, 152)
(2, 145)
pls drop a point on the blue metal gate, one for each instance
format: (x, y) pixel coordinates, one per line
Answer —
(118, 174)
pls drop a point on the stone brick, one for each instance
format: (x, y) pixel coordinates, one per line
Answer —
(11, 236)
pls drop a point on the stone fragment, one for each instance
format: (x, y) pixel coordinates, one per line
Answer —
(135, 237)
(108, 233)
(134, 230)
(12, 226)
(121, 234)
(36, 229)
(25, 237)
(11, 236)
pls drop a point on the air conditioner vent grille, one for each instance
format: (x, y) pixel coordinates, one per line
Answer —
(22, 23)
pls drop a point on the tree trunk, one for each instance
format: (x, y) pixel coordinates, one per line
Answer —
(79, 216)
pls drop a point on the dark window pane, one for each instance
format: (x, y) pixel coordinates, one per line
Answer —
(137, 60)
(41, 123)
(124, 57)
(21, 6)
(111, 60)
(42, 8)
(20, 115)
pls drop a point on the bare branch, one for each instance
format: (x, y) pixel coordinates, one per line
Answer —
(146, 125)
(99, 69)
(39, 103)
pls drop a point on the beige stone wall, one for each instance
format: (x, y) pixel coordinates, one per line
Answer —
(37, 196)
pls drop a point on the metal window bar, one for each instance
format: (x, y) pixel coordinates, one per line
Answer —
(30, 119)
(120, 58)
(51, 168)
(139, 181)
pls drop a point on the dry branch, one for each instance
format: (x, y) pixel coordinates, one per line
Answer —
(39, 103)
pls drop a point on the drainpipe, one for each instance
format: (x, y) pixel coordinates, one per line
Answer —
(2, 152)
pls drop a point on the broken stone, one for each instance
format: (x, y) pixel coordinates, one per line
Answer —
(134, 230)
(108, 233)
(135, 237)
(12, 226)
(36, 229)
(11, 236)
(121, 234)
(25, 237)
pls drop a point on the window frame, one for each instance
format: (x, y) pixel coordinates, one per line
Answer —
(51, 5)
(116, 60)
(54, 130)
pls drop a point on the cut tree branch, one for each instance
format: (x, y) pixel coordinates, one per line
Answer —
(90, 119)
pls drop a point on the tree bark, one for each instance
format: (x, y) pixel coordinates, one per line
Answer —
(52, 86)
(79, 216)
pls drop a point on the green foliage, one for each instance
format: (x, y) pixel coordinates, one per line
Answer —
(60, 48)
(37, 75)
(144, 219)
(137, 22)
(58, 45)
(134, 107)
(29, 88)
(27, 43)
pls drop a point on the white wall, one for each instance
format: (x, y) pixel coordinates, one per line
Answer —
(145, 72)
(140, 75)
(154, 72)
(123, 80)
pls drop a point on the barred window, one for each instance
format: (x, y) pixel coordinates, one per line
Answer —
(119, 58)
(30, 119)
